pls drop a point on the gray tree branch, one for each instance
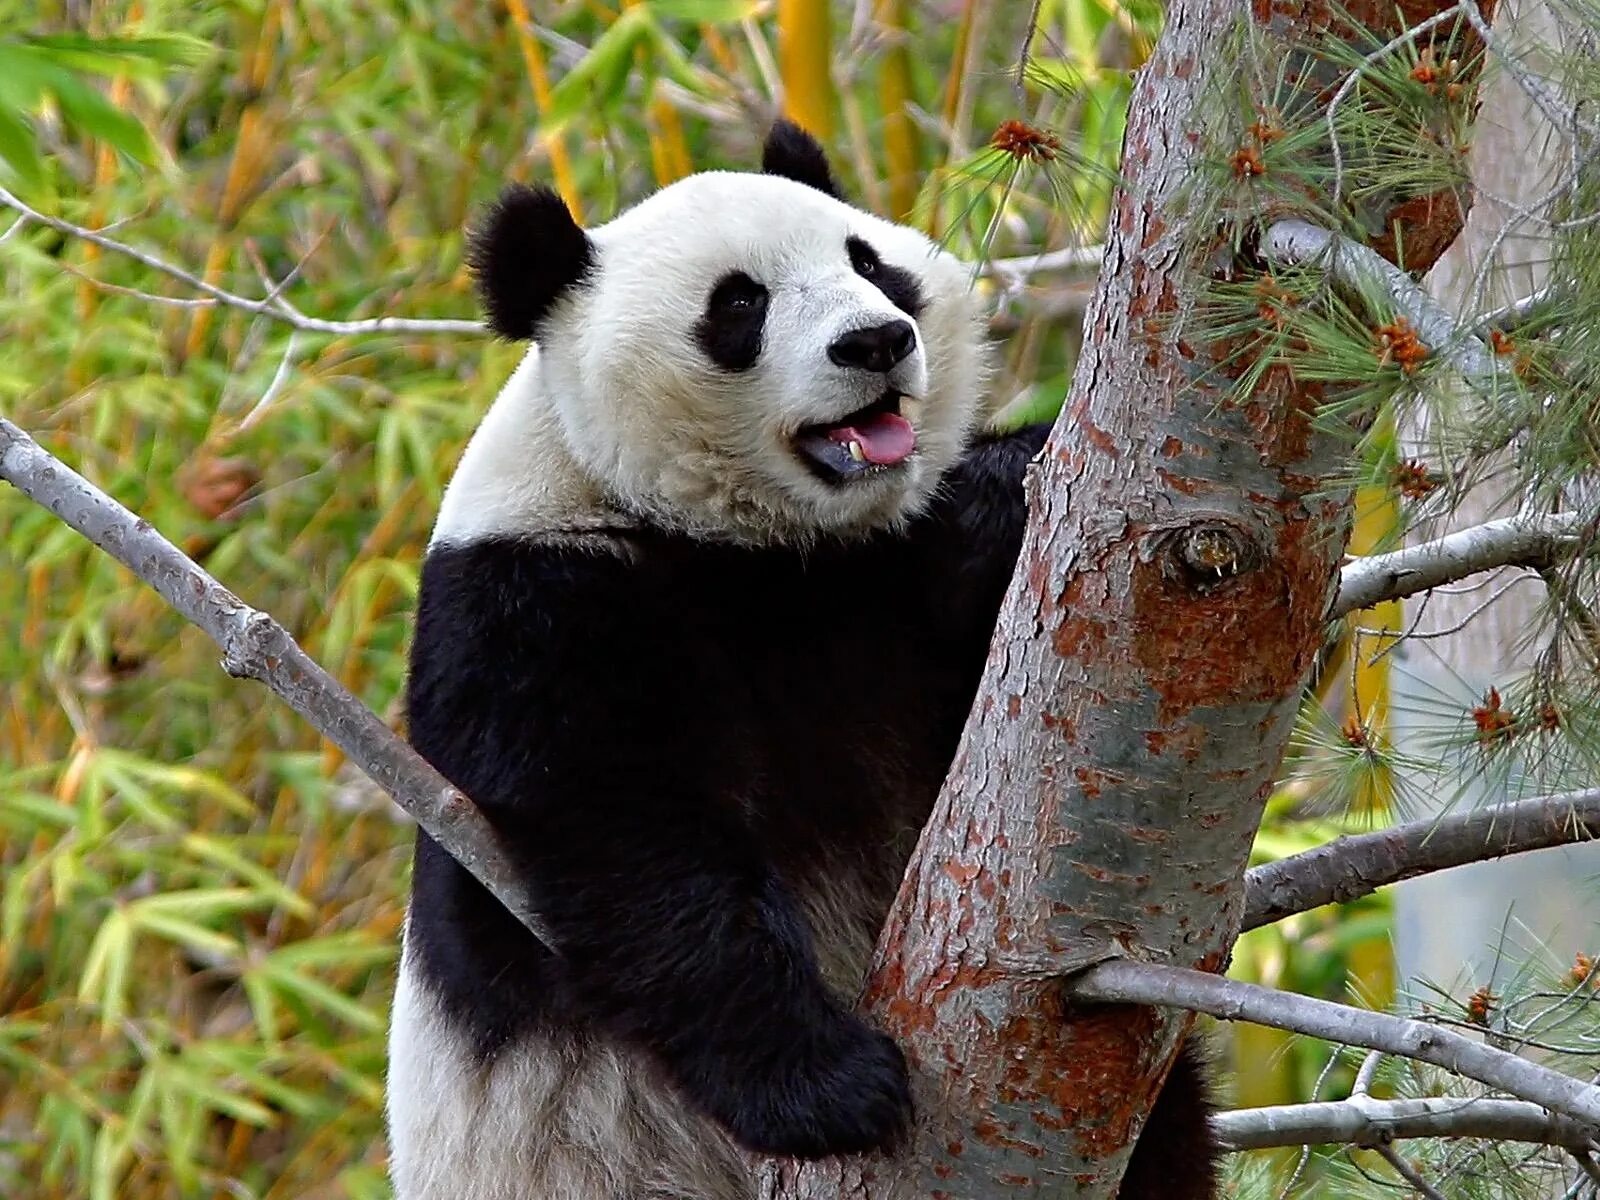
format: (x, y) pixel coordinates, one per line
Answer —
(1300, 243)
(1531, 540)
(255, 646)
(1363, 1121)
(271, 305)
(1126, 982)
(1351, 867)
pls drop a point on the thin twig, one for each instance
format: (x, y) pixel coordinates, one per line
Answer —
(1068, 258)
(254, 646)
(1363, 1121)
(1410, 1174)
(272, 305)
(1519, 312)
(1351, 867)
(1126, 982)
(1530, 540)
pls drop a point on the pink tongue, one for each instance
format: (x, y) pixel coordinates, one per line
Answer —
(885, 438)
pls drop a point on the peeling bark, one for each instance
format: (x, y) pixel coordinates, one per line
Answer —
(1141, 687)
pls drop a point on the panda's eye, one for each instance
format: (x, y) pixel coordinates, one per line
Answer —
(737, 293)
(863, 258)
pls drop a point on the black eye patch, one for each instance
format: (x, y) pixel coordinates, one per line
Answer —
(898, 285)
(729, 330)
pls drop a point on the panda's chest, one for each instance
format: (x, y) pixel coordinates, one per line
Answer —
(827, 685)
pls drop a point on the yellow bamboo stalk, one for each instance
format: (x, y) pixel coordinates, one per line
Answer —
(721, 52)
(805, 64)
(953, 106)
(902, 148)
(250, 154)
(105, 168)
(539, 77)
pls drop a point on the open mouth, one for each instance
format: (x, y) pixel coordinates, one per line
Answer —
(869, 440)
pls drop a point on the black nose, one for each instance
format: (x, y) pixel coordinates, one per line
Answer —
(875, 349)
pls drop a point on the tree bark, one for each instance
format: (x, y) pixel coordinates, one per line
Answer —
(1142, 684)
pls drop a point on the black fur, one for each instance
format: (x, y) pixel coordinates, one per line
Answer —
(526, 252)
(897, 284)
(678, 743)
(729, 331)
(794, 154)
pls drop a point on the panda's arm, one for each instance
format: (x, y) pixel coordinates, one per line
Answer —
(579, 714)
(973, 532)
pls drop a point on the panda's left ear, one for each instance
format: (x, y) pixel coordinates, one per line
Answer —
(794, 154)
(524, 254)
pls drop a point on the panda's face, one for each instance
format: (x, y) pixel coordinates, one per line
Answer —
(745, 356)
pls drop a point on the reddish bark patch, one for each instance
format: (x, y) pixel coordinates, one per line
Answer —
(1248, 640)
(1418, 231)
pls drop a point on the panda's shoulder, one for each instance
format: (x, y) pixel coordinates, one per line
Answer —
(529, 582)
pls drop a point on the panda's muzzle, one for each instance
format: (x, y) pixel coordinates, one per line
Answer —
(871, 439)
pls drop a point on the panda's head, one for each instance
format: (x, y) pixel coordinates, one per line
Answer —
(741, 356)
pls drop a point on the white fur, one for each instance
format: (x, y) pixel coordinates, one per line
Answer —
(619, 415)
(550, 1117)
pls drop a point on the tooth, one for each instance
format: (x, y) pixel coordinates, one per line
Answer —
(911, 408)
(857, 453)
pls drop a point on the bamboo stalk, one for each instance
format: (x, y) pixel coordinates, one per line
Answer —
(902, 145)
(539, 78)
(805, 37)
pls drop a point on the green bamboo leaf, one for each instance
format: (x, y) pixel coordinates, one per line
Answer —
(707, 12)
(143, 57)
(316, 993)
(96, 115)
(19, 149)
(200, 904)
(105, 971)
(184, 933)
(600, 78)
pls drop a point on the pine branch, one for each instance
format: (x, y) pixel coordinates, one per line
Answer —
(254, 646)
(1363, 1121)
(1300, 243)
(1125, 982)
(273, 305)
(1530, 540)
(1351, 867)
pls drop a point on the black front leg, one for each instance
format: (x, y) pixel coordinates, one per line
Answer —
(675, 937)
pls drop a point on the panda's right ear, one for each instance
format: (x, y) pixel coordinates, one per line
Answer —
(524, 254)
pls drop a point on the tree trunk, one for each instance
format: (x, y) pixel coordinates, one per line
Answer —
(1141, 687)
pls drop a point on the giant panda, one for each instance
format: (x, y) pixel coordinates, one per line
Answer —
(698, 627)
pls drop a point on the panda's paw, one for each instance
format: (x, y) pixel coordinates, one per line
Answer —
(844, 1093)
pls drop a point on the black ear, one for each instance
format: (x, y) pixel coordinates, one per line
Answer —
(524, 254)
(794, 154)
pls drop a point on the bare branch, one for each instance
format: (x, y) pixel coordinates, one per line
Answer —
(1351, 867)
(1125, 982)
(1530, 540)
(1069, 258)
(272, 305)
(255, 646)
(1363, 1121)
(1301, 243)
